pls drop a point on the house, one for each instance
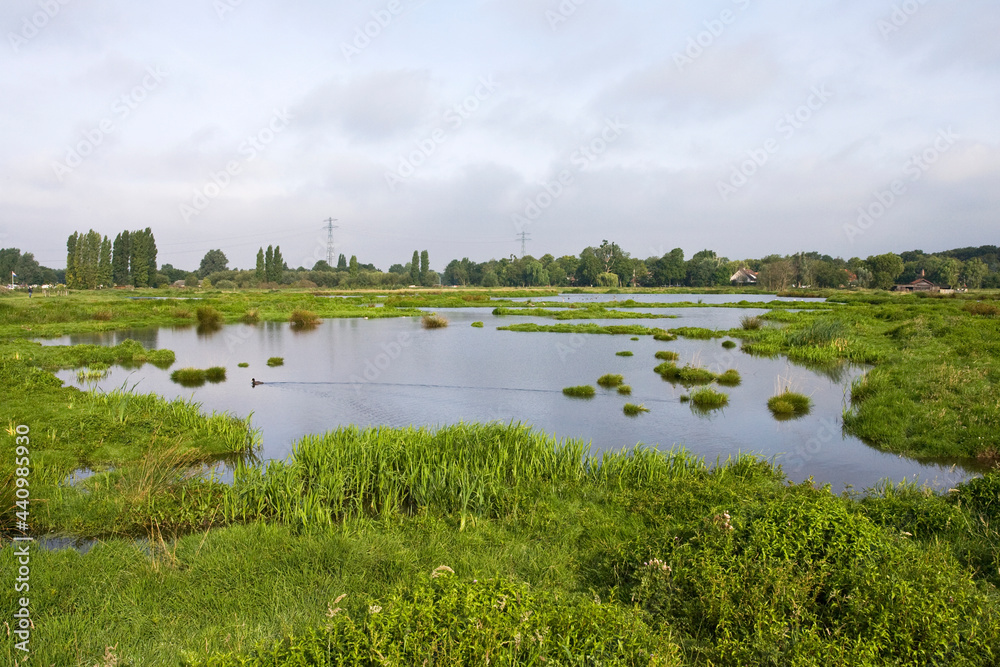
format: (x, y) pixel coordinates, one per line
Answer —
(744, 277)
(922, 284)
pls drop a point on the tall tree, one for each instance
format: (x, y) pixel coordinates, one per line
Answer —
(279, 265)
(269, 264)
(342, 263)
(259, 272)
(415, 268)
(974, 272)
(139, 259)
(71, 243)
(121, 258)
(105, 272)
(353, 266)
(885, 269)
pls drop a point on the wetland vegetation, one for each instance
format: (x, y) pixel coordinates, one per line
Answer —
(403, 544)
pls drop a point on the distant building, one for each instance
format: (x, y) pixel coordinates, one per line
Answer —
(744, 277)
(922, 284)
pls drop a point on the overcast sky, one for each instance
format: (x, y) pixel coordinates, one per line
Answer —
(745, 126)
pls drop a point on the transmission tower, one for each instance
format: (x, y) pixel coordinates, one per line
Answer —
(524, 237)
(330, 259)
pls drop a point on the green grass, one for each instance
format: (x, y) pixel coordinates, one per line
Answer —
(789, 404)
(667, 355)
(635, 338)
(625, 353)
(243, 364)
(625, 390)
(579, 312)
(709, 398)
(610, 380)
(729, 378)
(215, 374)
(729, 344)
(751, 322)
(276, 361)
(189, 377)
(582, 391)
(477, 325)
(686, 375)
(611, 329)
(633, 410)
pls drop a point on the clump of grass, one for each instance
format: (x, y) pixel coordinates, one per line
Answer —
(208, 317)
(635, 338)
(624, 353)
(92, 374)
(251, 316)
(583, 391)
(610, 380)
(477, 325)
(981, 308)
(633, 410)
(751, 322)
(189, 377)
(728, 344)
(789, 404)
(181, 313)
(687, 375)
(667, 355)
(215, 374)
(276, 361)
(730, 378)
(434, 321)
(665, 337)
(243, 364)
(685, 398)
(698, 333)
(103, 315)
(625, 390)
(709, 398)
(303, 319)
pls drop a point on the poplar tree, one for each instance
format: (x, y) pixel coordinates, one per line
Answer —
(121, 259)
(415, 268)
(105, 272)
(71, 243)
(260, 272)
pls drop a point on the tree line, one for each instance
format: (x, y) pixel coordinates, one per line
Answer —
(94, 261)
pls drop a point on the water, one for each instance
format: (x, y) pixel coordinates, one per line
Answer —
(662, 298)
(392, 372)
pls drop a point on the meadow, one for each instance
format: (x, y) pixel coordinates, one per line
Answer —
(494, 542)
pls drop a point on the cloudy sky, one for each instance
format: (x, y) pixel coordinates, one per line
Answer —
(851, 127)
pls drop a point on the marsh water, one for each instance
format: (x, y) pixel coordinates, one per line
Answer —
(393, 372)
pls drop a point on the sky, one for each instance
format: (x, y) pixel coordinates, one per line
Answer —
(749, 127)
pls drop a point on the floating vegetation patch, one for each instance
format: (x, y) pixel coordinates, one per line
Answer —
(276, 361)
(686, 375)
(303, 319)
(729, 344)
(633, 410)
(610, 380)
(789, 405)
(699, 333)
(477, 325)
(583, 391)
(624, 353)
(730, 378)
(665, 337)
(215, 374)
(667, 355)
(433, 321)
(710, 399)
(625, 390)
(189, 377)
(243, 364)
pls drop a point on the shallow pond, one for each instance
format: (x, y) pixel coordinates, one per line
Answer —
(393, 372)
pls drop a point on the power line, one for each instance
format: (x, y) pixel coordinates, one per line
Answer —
(329, 239)
(525, 237)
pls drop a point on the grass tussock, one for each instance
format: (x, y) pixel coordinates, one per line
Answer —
(243, 364)
(625, 390)
(789, 404)
(215, 374)
(304, 319)
(633, 410)
(189, 377)
(208, 318)
(709, 398)
(667, 355)
(582, 391)
(433, 321)
(751, 322)
(610, 380)
(729, 344)
(276, 361)
(686, 375)
(729, 378)
(250, 316)
(625, 353)
(477, 325)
